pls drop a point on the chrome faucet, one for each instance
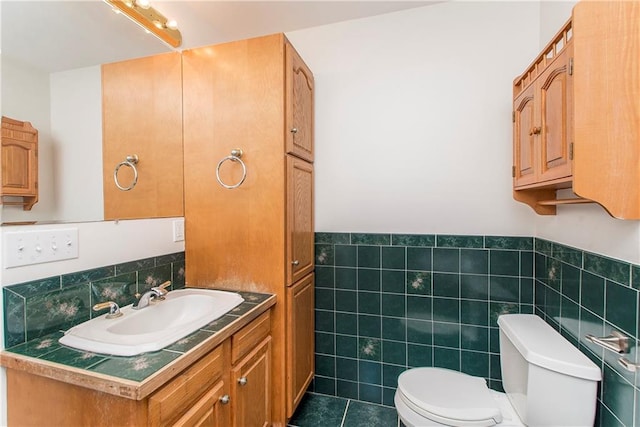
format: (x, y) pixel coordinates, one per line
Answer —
(157, 292)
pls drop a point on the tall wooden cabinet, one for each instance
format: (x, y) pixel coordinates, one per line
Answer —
(19, 163)
(577, 117)
(142, 116)
(256, 96)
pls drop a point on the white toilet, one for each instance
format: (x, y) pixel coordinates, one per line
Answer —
(547, 382)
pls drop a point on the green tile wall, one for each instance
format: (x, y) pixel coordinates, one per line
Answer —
(388, 302)
(37, 308)
(579, 293)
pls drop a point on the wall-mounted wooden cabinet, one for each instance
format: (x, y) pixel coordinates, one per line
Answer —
(19, 163)
(250, 95)
(142, 116)
(577, 114)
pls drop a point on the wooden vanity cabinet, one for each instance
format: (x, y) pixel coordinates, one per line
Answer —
(142, 116)
(250, 95)
(19, 163)
(210, 392)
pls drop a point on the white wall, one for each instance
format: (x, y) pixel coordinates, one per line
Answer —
(25, 96)
(76, 133)
(413, 118)
(413, 129)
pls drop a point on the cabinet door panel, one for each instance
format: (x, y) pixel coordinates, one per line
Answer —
(300, 340)
(142, 115)
(300, 249)
(299, 94)
(556, 118)
(251, 388)
(524, 138)
(209, 411)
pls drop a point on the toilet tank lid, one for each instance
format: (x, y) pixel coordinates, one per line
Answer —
(541, 345)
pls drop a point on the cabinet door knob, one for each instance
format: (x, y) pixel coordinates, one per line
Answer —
(536, 131)
(242, 380)
(296, 262)
(224, 399)
(294, 130)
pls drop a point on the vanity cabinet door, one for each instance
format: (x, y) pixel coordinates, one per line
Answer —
(299, 108)
(142, 116)
(251, 388)
(209, 411)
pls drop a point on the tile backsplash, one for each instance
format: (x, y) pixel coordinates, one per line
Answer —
(388, 302)
(37, 308)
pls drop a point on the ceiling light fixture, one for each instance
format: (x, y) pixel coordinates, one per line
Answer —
(141, 12)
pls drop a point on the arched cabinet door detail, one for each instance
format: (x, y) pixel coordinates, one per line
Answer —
(299, 106)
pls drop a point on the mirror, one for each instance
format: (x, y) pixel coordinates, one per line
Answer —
(51, 55)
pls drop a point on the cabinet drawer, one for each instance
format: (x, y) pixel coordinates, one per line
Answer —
(180, 393)
(249, 336)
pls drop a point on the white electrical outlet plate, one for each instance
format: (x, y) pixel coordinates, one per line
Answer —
(35, 247)
(178, 230)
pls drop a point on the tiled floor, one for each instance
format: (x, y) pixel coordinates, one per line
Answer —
(317, 410)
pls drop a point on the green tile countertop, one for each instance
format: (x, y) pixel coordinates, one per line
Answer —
(133, 377)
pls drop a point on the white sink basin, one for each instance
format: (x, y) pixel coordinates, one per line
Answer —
(153, 327)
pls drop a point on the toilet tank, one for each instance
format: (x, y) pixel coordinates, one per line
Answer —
(548, 381)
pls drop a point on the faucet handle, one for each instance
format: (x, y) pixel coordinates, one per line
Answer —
(161, 290)
(164, 285)
(114, 309)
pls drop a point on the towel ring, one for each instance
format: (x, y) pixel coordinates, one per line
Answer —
(235, 156)
(131, 161)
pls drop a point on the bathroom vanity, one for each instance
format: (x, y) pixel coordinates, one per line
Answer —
(217, 376)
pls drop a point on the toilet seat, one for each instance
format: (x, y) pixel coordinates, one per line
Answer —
(448, 397)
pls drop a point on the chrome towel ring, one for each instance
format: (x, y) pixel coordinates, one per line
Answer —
(235, 156)
(131, 161)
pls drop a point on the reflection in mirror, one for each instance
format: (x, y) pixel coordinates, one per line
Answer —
(51, 56)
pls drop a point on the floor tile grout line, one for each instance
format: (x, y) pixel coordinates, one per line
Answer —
(344, 416)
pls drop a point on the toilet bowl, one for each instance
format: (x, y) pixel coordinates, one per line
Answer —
(547, 382)
(441, 397)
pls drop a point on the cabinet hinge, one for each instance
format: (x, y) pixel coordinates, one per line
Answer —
(571, 66)
(513, 171)
(571, 151)
(513, 116)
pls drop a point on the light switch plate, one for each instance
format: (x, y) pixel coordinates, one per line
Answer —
(178, 230)
(39, 246)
